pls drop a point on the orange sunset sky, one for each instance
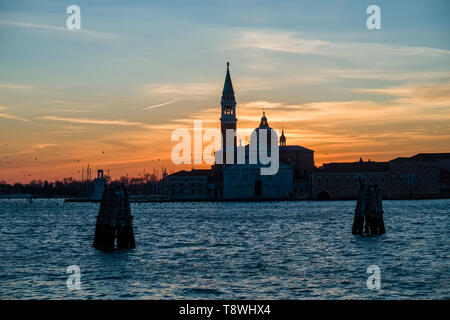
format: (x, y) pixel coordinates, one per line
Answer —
(110, 94)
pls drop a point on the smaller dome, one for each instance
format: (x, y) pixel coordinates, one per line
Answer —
(263, 126)
(264, 123)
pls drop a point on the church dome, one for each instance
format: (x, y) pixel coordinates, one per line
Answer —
(263, 126)
(264, 123)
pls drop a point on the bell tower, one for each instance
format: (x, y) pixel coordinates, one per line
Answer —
(228, 116)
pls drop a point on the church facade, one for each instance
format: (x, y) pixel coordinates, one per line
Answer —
(244, 181)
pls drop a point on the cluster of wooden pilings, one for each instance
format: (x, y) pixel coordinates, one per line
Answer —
(114, 220)
(369, 211)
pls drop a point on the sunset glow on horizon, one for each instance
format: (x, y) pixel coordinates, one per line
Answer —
(110, 95)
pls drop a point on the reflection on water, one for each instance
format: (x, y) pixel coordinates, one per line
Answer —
(239, 250)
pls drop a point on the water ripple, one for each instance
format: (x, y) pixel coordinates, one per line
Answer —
(239, 250)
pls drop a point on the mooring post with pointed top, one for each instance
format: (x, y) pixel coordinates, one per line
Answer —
(114, 220)
(358, 222)
(125, 234)
(379, 211)
(369, 211)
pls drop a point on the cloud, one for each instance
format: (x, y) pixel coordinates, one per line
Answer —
(394, 75)
(193, 89)
(10, 116)
(82, 31)
(119, 122)
(64, 110)
(274, 52)
(160, 105)
(23, 24)
(280, 114)
(259, 105)
(201, 90)
(343, 129)
(280, 41)
(41, 146)
(167, 126)
(15, 86)
(436, 94)
(294, 42)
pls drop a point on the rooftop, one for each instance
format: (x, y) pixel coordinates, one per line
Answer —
(431, 156)
(193, 172)
(425, 157)
(295, 148)
(367, 166)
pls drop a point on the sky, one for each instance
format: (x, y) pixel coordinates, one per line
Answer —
(110, 94)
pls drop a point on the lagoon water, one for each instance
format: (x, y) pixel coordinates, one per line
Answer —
(239, 250)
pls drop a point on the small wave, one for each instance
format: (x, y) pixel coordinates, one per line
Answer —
(201, 291)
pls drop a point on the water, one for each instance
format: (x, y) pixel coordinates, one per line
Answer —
(239, 250)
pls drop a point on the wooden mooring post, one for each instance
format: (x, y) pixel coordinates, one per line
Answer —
(369, 211)
(114, 220)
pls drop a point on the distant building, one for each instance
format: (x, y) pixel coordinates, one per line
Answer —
(340, 180)
(189, 185)
(443, 162)
(99, 185)
(301, 160)
(442, 159)
(411, 178)
(400, 178)
(244, 181)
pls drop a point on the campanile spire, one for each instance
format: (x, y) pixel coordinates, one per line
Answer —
(228, 118)
(228, 86)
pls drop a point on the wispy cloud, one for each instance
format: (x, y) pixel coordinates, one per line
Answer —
(10, 116)
(15, 86)
(82, 31)
(24, 24)
(200, 90)
(163, 126)
(193, 89)
(41, 146)
(160, 105)
(119, 122)
(394, 75)
(294, 42)
(64, 110)
(271, 50)
(436, 94)
(280, 41)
